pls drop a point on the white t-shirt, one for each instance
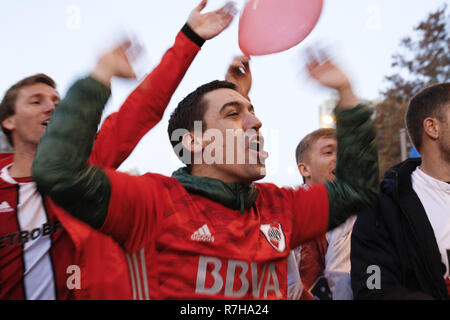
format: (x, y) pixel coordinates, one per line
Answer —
(337, 264)
(295, 285)
(435, 197)
(337, 260)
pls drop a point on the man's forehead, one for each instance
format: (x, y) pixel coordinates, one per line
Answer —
(325, 141)
(37, 89)
(219, 97)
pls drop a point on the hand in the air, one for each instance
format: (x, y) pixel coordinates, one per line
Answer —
(326, 72)
(240, 74)
(329, 75)
(116, 63)
(208, 25)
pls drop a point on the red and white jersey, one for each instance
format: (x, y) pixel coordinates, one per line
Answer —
(30, 239)
(35, 251)
(185, 246)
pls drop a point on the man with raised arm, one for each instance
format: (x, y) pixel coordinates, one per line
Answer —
(209, 231)
(44, 252)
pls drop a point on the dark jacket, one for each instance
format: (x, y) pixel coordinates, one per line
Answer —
(396, 236)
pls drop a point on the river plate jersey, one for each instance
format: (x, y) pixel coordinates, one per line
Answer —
(34, 248)
(185, 246)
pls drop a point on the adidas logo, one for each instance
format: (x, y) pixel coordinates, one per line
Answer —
(5, 207)
(203, 235)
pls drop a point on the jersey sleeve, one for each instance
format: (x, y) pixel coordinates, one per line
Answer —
(356, 184)
(310, 212)
(132, 209)
(145, 106)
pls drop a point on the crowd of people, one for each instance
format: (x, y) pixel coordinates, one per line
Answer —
(210, 231)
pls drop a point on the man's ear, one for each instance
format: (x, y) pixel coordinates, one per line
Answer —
(431, 128)
(192, 143)
(9, 123)
(304, 170)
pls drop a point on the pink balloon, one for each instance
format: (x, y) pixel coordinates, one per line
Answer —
(270, 26)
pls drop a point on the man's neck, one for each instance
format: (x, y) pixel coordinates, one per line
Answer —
(435, 166)
(209, 172)
(23, 160)
(311, 182)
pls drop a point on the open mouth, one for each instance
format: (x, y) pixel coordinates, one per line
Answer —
(45, 123)
(257, 145)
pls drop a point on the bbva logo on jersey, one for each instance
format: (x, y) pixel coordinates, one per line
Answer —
(274, 235)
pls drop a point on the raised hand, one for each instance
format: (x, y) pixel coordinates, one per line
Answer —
(326, 72)
(329, 75)
(115, 63)
(208, 25)
(240, 74)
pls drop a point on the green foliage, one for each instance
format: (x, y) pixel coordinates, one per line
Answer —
(423, 60)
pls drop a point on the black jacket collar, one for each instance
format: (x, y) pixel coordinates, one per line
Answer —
(397, 184)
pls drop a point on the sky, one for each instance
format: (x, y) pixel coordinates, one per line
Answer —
(64, 38)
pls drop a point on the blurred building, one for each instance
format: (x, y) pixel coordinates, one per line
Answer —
(326, 115)
(326, 110)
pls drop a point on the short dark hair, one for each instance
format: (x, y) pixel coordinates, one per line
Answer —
(305, 145)
(430, 102)
(192, 109)
(7, 106)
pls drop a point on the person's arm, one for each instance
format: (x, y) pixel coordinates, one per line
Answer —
(61, 171)
(373, 251)
(325, 206)
(60, 166)
(144, 108)
(356, 184)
